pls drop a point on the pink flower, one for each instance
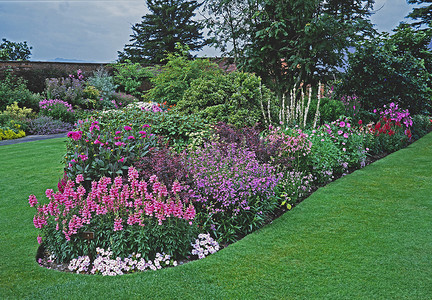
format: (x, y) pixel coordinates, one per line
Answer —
(346, 135)
(32, 200)
(143, 132)
(131, 137)
(146, 125)
(118, 132)
(118, 224)
(39, 240)
(75, 135)
(83, 157)
(118, 143)
(342, 124)
(121, 159)
(127, 128)
(344, 149)
(79, 178)
(340, 132)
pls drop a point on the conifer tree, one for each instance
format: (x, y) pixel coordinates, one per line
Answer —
(169, 22)
(423, 13)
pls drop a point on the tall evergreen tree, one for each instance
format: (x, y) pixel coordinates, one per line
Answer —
(169, 22)
(423, 13)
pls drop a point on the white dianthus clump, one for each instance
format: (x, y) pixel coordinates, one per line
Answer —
(105, 265)
(204, 246)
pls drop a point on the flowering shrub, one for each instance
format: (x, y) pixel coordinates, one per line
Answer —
(293, 144)
(167, 166)
(106, 266)
(124, 216)
(348, 140)
(172, 125)
(392, 131)
(235, 191)
(204, 245)
(103, 148)
(250, 138)
(46, 125)
(70, 89)
(57, 109)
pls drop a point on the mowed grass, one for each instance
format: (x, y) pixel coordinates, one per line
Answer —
(367, 235)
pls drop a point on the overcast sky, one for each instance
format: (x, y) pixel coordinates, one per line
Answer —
(94, 30)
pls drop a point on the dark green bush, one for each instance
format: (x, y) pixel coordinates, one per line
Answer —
(391, 68)
(14, 89)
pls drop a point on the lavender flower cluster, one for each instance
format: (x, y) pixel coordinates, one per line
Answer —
(226, 176)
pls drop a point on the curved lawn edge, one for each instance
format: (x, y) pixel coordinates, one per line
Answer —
(366, 235)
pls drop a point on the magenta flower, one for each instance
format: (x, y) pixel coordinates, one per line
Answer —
(143, 132)
(39, 240)
(79, 178)
(340, 132)
(127, 128)
(118, 132)
(342, 124)
(32, 200)
(346, 135)
(118, 224)
(75, 135)
(118, 143)
(83, 157)
(131, 137)
(146, 125)
(121, 159)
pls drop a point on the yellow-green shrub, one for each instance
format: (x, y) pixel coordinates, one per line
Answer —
(9, 134)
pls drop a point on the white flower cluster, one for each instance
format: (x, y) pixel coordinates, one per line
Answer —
(80, 264)
(204, 245)
(106, 266)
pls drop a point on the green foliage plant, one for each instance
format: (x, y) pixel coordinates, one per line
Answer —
(14, 89)
(176, 76)
(131, 77)
(393, 67)
(236, 98)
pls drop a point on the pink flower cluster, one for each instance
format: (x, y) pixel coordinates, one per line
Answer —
(293, 144)
(124, 203)
(48, 104)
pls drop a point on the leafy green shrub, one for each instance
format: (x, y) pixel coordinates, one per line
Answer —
(391, 68)
(234, 98)
(132, 78)
(13, 89)
(330, 109)
(176, 76)
(174, 126)
(421, 126)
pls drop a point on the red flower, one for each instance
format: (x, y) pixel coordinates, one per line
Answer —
(361, 122)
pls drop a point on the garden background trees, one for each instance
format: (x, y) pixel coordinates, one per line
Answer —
(170, 22)
(14, 50)
(289, 42)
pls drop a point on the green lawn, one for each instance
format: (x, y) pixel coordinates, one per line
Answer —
(366, 236)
